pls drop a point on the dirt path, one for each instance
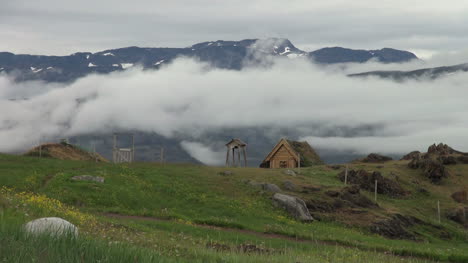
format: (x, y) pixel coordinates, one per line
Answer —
(269, 235)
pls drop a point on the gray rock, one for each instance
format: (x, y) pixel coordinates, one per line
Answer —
(255, 184)
(289, 186)
(226, 173)
(296, 207)
(290, 172)
(97, 179)
(271, 188)
(51, 225)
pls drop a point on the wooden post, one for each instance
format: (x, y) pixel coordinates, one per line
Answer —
(233, 158)
(375, 191)
(114, 149)
(346, 176)
(438, 210)
(245, 156)
(238, 158)
(133, 148)
(162, 155)
(299, 162)
(227, 157)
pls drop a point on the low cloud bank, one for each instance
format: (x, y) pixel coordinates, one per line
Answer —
(187, 99)
(203, 153)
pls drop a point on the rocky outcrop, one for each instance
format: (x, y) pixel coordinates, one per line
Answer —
(395, 227)
(366, 181)
(348, 197)
(375, 158)
(459, 215)
(463, 159)
(441, 149)
(411, 155)
(460, 196)
(433, 162)
(435, 171)
(296, 207)
(51, 225)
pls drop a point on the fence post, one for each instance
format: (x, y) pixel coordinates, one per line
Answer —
(346, 176)
(438, 210)
(375, 191)
(95, 154)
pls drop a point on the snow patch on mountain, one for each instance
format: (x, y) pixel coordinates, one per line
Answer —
(286, 50)
(108, 54)
(91, 65)
(126, 65)
(35, 70)
(159, 62)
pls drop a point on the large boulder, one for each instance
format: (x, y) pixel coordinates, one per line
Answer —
(296, 207)
(265, 186)
(289, 186)
(271, 188)
(89, 178)
(54, 226)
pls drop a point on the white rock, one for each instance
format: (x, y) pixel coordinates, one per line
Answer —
(53, 225)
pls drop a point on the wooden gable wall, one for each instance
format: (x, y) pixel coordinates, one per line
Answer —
(283, 157)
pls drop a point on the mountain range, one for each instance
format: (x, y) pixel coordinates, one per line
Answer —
(431, 73)
(233, 55)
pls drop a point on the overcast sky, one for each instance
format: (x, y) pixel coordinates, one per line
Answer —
(63, 27)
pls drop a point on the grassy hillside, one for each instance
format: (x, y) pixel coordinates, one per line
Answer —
(187, 213)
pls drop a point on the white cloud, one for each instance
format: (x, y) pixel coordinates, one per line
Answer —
(187, 100)
(203, 153)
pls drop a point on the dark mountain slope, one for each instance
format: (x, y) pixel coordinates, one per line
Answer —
(233, 55)
(430, 73)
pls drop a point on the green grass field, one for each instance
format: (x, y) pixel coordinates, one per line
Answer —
(147, 212)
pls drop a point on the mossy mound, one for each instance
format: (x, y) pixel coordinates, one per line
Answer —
(64, 151)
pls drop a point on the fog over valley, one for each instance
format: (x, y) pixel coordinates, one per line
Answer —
(198, 107)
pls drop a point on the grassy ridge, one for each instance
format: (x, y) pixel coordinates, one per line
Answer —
(190, 195)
